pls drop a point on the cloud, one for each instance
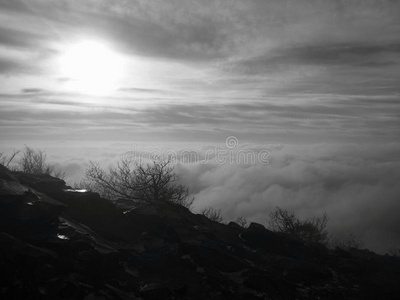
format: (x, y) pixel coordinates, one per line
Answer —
(7, 66)
(12, 6)
(324, 46)
(302, 118)
(32, 91)
(18, 38)
(356, 185)
(140, 90)
(137, 28)
(355, 55)
(219, 29)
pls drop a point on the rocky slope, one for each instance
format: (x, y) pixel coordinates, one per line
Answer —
(60, 244)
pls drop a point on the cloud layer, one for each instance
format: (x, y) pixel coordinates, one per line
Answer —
(279, 70)
(356, 185)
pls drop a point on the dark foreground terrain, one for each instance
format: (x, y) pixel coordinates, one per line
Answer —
(57, 244)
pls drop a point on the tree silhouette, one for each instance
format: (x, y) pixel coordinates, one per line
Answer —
(309, 230)
(153, 182)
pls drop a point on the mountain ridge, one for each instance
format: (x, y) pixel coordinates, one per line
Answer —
(60, 244)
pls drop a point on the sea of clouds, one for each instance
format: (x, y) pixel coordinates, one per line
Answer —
(357, 185)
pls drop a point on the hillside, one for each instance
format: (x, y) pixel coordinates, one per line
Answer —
(59, 244)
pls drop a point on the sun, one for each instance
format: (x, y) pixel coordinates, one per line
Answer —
(91, 67)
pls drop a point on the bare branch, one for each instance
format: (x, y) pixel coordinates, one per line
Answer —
(152, 182)
(242, 221)
(212, 213)
(310, 230)
(32, 161)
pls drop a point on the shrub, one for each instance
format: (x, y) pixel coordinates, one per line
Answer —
(394, 252)
(242, 221)
(31, 161)
(6, 160)
(34, 162)
(350, 241)
(311, 230)
(147, 183)
(212, 213)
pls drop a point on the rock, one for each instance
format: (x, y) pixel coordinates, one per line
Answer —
(62, 244)
(155, 291)
(256, 235)
(12, 246)
(235, 226)
(5, 174)
(41, 182)
(125, 204)
(12, 187)
(275, 289)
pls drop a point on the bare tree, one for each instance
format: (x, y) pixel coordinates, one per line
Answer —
(309, 230)
(152, 182)
(212, 213)
(34, 162)
(58, 173)
(30, 161)
(394, 252)
(6, 160)
(350, 241)
(242, 221)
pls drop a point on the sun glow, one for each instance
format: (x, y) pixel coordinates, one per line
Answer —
(91, 67)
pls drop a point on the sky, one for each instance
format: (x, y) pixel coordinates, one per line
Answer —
(315, 82)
